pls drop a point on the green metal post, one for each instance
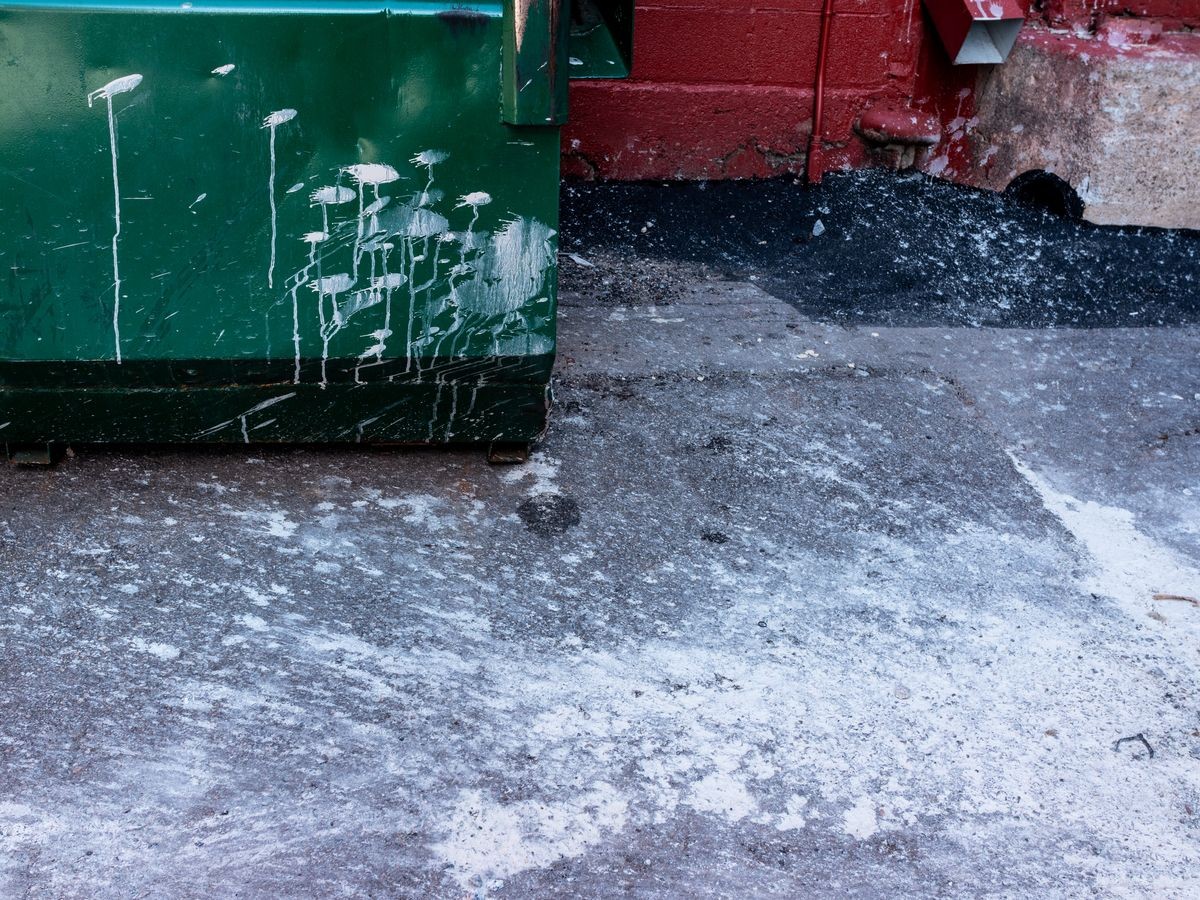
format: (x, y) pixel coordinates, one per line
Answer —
(536, 61)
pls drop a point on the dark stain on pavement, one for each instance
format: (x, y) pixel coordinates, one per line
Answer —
(549, 515)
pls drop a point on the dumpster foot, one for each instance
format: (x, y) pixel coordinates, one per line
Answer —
(33, 454)
(507, 453)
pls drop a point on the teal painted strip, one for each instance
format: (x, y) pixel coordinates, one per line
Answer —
(403, 7)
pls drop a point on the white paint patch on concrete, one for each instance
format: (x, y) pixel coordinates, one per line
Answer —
(487, 840)
(539, 474)
(794, 815)
(860, 820)
(165, 652)
(273, 522)
(258, 598)
(252, 623)
(1131, 567)
(723, 794)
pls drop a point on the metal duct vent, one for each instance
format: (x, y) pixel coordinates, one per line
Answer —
(977, 31)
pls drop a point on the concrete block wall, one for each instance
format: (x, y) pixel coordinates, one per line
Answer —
(722, 90)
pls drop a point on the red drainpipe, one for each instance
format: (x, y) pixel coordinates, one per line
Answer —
(816, 136)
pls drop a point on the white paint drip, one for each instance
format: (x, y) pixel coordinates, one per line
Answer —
(313, 238)
(121, 85)
(496, 274)
(331, 286)
(272, 122)
(373, 174)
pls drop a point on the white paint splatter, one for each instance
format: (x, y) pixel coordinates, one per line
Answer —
(372, 173)
(475, 199)
(333, 284)
(328, 196)
(430, 158)
(279, 117)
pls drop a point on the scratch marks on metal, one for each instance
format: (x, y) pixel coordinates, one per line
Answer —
(241, 418)
(118, 86)
(520, 21)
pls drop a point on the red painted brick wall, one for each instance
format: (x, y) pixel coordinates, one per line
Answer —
(722, 90)
(1174, 14)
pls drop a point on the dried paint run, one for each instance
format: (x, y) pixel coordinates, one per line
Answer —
(118, 86)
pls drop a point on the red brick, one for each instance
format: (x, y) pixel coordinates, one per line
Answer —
(654, 131)
(720, 90)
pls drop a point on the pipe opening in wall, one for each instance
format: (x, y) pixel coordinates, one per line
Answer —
(1046, 191)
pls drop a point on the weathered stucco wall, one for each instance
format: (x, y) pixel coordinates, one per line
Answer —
(1118, 123)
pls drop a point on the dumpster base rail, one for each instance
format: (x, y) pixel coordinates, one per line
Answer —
(428, 413)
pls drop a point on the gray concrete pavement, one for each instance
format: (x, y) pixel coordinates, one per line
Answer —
(779, 609)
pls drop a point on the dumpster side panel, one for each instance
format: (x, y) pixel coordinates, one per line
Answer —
(238, 195)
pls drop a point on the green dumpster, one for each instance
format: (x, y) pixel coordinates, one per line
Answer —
(285, 221)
